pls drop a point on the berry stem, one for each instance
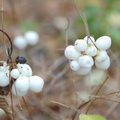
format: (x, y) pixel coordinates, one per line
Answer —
(101, 88)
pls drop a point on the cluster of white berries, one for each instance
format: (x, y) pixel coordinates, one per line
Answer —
(29, 38)
(85, 52)
(4, 75)
(23, 79)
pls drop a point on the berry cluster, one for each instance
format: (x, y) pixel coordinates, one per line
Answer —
(85, 52)
(23, 78)
(29, 38)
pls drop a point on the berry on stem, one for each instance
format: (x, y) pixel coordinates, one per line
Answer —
(80, 45)
(71, 53)
(36, 83)
(103, 43)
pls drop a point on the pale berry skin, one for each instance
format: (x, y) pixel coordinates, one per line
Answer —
(91, 50)
(85, 61)
(20, 42)
(15, 73)
(4, 80)
(31, 37)
(63, 22)
(74, 65)
(103, 43)
(16, 92)
(103, 65)
(36, 83)
(80, 45)
(89, 40)
(71, 53)
(83, 70)
(24, 69)
(102, 56)
(22, 84)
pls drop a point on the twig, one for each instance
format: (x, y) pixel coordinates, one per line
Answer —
(61, 104)
(27, 108)
(101, 87)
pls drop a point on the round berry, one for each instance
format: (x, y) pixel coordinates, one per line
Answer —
(22, 84)
(83, 70)
(20, 59)
(24, 69)
(71, 53)
(103, 43)
(91, 50)
(86, 61)
(36, 83)
(20, 42)
(74, 65)
(4, 79)
(80, 45)
(15, 73)
(31, 37)
(16, 92)
(103, 65)
(102, 56)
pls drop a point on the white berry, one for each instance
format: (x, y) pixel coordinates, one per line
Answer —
(4, 79)
(20, 42)
(74, 65)
(85, 61)
(31, 37)
(89, 40)
(84, 70)
(103, 42)
(36, 83)
(16, 92)
(102, 56)
(103, 65)
(25, 70)
(71, 53)
(22, 84)
(80, 45)
(15, 73)
(91, 50)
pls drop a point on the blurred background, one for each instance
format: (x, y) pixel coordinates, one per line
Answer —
(56, 21)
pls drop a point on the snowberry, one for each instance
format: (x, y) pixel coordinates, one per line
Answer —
(4, 68)
(36, 83)
(31, 37)
(20, 42)
(74, 65)
(4, 79)
(103, 65)
(71, 53)
(22, 84)
(80, 45)
(103, 42)
(63, 22)
(25, 69)
(91, 50)
(89, 40)
(16, 92)
(84, 70)
(15, 73)
(102, 56)
(86, 61)
(93, 79)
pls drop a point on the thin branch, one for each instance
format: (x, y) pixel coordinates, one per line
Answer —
(83, 19)
(11, 45)
(101, 87)
(27, 108)
(61, 104)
